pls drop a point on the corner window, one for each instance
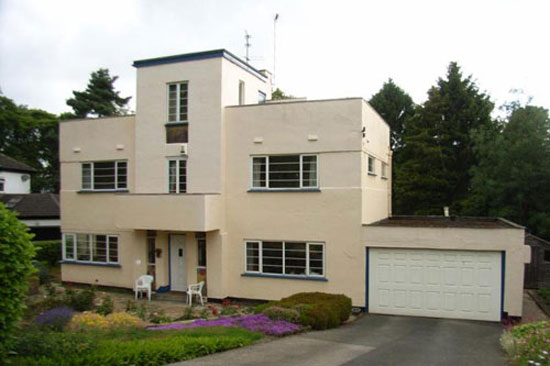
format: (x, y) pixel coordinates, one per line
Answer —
(384, 170)
(90, 248)
(241, 92)
(371, 168)
(285, 258)
(105, 175)
(2, 184)
(177, 176)
(177, 101)
(261, 97)
(177, 134)
(285, 172)
(201, 249)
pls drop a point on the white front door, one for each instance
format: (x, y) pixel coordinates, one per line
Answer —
(435, 283)
(178, 277)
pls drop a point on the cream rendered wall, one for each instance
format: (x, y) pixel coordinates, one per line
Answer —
(507, 240)
(332, 216)
(13, 182)
(376, 197)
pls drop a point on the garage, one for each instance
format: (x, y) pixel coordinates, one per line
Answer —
(435, 283)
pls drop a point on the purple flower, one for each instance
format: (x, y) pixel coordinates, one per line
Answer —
(55, 318)
(256, 323)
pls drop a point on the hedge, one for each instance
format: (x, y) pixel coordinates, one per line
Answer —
(48, 251)
(317, 309)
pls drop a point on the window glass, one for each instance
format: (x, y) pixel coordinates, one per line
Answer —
(295, 258)
(182, 174)
(201, 251)
(172, 102)
(113, 248)
(151, 258)
(261, 97)
(177, 102)
(253, 256)
(69, 246)
(99, 248)
(86, 176)
(177, 134)
(309, 171)
(272, 257)
(177, 176)
(259, 171)
(316, 259)
(241, 92)
(172, 176)
(284, 171)
(371, 165)
(384, 165)
(82, 247)
(122, 174)
(104, 175)
(183, 102)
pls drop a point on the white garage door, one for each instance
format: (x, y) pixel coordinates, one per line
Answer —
(435, 283)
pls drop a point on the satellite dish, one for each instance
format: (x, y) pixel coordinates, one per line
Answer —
(25, 177)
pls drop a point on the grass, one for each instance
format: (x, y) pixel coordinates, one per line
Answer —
(126, 347)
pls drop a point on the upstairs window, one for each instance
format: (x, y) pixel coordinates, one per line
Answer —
(285, 172)
(2, 184)
(177, 176)
(384, 170)
(241, 92)
(105, 175)
(261, 97)
(177, 101)
(371, 168)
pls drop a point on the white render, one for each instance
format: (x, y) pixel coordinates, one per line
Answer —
(15, 182)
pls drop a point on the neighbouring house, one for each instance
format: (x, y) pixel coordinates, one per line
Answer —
(537, 273)
(210, 179)
(39, 211)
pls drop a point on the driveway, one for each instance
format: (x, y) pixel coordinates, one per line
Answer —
(377, 340)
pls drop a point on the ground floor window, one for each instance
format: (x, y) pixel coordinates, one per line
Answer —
(94, 248)
(285, 258)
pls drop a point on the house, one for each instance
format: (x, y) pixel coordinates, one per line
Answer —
(537, 273)
(211, 179)
(39, 211)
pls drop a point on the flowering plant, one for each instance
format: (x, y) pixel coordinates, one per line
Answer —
(55, 318)
(256, 323)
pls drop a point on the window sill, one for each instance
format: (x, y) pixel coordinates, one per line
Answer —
(385, 178)
(170, 124)
(371, 174)
(114, 265)
(285, 190)
(103, 191)
(285, 277)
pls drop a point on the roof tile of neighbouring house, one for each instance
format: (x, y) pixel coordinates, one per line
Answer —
(32, 205)
(9, 164)
(443, 221)
(534, 240)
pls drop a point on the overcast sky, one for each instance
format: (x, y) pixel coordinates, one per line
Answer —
(325, 49)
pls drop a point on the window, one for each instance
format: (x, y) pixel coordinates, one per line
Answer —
(105, 175)
(261, 97)
(2, 184)
(177, 102)
(371, 166)
(285, 258)
(384, 168)
(547, 255)
(201, 249)
(94, 248)
(241, 92)
(285, 171)
(177, 134)
(177, 176)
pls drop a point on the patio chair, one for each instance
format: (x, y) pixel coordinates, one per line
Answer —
(144, 284)
(195, 289)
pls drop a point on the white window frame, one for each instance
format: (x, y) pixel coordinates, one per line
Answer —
(178, 93)
(369, 170)
(260, 259)
(384, 170)
(92, 188)
(90, 244)
(2, 184)
(267, 187)
(177, 160)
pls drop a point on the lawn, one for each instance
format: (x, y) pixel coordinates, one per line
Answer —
(125, 346)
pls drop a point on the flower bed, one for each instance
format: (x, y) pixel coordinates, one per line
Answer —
(256, 323)
(528, 344)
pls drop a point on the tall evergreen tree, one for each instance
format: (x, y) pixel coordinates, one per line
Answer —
(438, 148)
(99, 98)
(395, 106)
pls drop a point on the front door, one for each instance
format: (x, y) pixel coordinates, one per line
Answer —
(178, 278)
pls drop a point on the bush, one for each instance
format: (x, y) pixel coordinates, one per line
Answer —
(317, 309)
(48, 251)
(280, 313)
(16, 253)
(159, 317)
(92, 321)
(55, 319)
(528, 343)
(106, 307)
(36, 343)
(80, 300)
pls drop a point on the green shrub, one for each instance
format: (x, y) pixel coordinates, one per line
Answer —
(81, 300)
(48, 251)
(36, 343)
(187, 313)
(317, 309)
(16, 253)
(527, 344)
(159, 317)
(106, 307)
(280, 313)
(41, 272)
(544, 293)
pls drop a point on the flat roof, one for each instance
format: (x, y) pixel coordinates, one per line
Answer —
(444, 222)
(201, 56)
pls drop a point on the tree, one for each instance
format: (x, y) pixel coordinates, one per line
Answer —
(438, 147)
(511, 179)
(278, 94)
(395, 106)
(99, 98)
(31, 136)
(16, 253)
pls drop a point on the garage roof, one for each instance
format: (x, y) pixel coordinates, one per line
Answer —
(450, 221)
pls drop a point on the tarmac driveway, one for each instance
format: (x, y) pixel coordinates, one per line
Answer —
(377, 340)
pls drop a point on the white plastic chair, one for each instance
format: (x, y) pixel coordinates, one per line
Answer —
(195, 289)
(144, 284)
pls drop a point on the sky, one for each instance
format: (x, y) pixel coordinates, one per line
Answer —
(324, 49)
